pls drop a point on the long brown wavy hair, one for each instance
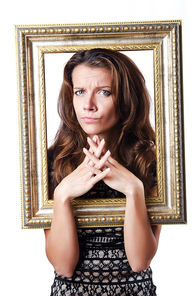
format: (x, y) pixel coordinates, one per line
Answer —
(135, 146)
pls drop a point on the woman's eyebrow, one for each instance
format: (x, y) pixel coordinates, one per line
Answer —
(104, 86)
(78, 87)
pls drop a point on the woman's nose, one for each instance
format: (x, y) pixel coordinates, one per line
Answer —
(89, 102)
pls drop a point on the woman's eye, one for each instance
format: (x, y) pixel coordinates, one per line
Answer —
(79, 92)
(105, 92)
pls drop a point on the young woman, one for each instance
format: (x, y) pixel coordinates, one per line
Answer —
(105, 146)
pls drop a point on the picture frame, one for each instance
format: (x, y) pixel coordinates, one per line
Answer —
(162, 40)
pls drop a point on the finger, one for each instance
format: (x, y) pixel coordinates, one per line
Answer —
(98, 163)
(97, 148)
(94, 170)
(97, 140)
(100, 176)
(94, 141)
(103, 160)
(111, 162)
(115, 164)
(87, 160)
(90, 156)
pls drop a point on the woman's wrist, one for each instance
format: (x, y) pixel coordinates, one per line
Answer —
(135, 203)
(133, 190)
(61, 196)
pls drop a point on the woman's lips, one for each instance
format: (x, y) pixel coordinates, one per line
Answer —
(89, 119)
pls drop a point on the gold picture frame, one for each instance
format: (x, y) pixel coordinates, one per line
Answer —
(163, 40)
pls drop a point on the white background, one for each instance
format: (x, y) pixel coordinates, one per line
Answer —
(24, 269)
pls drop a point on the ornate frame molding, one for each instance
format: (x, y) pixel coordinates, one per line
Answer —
(161, 37)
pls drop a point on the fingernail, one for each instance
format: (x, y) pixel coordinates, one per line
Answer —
(94, 138)
(102, 141)
(108, 152)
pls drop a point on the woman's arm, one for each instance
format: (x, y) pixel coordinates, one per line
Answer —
(62, 246)
(141, 239)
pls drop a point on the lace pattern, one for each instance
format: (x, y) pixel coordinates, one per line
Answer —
(74, 289)
(103, 268)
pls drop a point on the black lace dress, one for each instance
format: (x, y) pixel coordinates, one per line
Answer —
(103, 268)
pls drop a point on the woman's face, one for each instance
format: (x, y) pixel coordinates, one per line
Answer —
(93, 101)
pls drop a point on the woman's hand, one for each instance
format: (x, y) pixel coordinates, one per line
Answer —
(81, 180)
(118, 178)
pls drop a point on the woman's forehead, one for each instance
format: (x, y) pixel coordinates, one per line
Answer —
(85, 74)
